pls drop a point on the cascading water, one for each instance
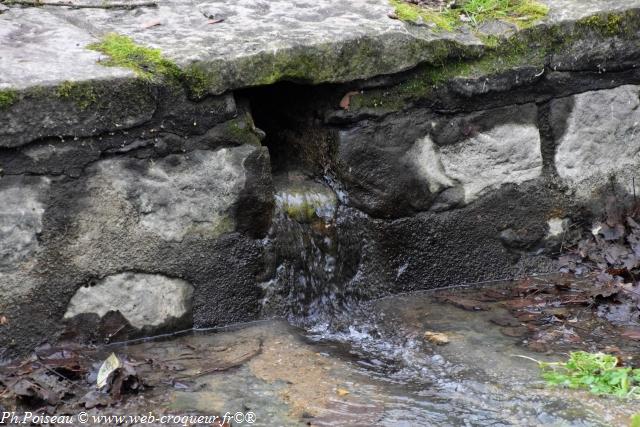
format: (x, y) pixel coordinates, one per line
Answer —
(306, 251)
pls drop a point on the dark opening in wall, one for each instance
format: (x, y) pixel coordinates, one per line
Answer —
(291, 115)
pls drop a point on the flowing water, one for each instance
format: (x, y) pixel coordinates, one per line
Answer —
(377, 370)
(364, 364)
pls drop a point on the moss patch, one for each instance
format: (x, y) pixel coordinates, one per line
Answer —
(522, 13)
(241, 131)
(146, 62)
(150, 65)
(446, 19)
(8, 97)
(530, 47)
(607, 25)
(507, 54)
(82, 93)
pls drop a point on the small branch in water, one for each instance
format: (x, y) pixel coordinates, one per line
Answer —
(35, 3)
(527, 357)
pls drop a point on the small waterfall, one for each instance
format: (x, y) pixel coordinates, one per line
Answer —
(305, 251)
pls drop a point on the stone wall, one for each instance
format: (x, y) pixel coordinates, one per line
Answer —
(129, 206)
(157, 220)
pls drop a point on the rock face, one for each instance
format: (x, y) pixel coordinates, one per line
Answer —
(139, 199)
(145, 300)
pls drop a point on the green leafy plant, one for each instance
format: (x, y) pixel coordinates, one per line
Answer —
(635, 420)
(597, 372)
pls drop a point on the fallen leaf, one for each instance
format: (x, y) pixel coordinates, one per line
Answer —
(346, 100)
(464, 303)
(632, 334)
(151, 23)
(108, 367)
(505, 320)
(514, 332)
(215, 21)
(342, 392)
(4, 321)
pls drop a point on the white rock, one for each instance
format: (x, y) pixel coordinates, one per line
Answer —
(508, 153)
(145, 300)
(601, 139)
(21, 211)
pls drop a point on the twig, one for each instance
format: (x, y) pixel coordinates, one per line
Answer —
(528, 358)
(35, 3)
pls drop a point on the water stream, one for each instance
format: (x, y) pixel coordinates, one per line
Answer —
(340, 363)
(376, 371)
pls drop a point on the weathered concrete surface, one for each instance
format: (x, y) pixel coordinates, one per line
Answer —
(256, 43)
(145, 300)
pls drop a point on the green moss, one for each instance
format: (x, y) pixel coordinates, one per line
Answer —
(241, 131)
(150, 65)
(82, 93)
(446, 20)
(197, 80)
(607, 25)
(530, 47)
(8, 97)
(146, 62)
(522, 13)
(505, 54)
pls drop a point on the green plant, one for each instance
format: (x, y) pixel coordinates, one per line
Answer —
(635, 420)
(597, 372)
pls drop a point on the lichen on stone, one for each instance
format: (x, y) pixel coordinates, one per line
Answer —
(8, 97)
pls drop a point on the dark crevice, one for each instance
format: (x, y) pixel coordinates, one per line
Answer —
(547, 141)
(292, 117)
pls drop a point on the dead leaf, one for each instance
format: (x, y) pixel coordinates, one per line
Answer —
(151, 23)
(346, 100)
(464, 303)
(514, 332)
(107, 368)
(215, 21)
(632, 334)
(505, 320)
(4, 321)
